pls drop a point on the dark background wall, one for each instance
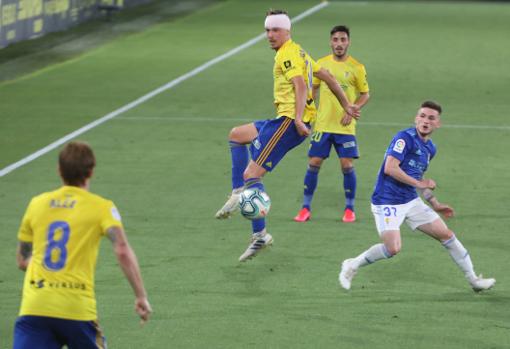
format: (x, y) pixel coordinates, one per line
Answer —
(28, 19)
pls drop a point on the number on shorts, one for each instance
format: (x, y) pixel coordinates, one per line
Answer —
(60, 245)
(316, 136)
(387, 211)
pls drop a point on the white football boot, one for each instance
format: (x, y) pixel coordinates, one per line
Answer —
(347, 273)
(258, 242)
(480, 284)
(231, 206)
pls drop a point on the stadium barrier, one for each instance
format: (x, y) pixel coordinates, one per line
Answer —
(29, 19)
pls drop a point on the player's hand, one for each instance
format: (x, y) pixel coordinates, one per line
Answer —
(426, 184)
(346, 120)
(353, 110)
(143, 309)
(301, 128)
(445, 210)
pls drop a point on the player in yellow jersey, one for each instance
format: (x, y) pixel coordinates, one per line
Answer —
(270, 140)
(58, 245)
(334, 127)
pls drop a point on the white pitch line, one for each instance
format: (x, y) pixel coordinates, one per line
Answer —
(361, 123)
(148, 96)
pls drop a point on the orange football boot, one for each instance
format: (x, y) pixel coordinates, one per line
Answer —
(303, 215)
(349, 216)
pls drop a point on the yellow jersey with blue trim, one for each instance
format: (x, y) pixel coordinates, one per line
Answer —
(352, 77)
(65, 227)
(291, 61)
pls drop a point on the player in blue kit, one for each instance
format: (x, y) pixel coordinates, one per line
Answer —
(395, 200)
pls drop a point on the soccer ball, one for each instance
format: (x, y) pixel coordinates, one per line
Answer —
(254, 203)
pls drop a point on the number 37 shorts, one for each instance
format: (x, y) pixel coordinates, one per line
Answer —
(415, 213)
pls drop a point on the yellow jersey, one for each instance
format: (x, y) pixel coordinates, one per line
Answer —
(65, 227)
(352, 77)
(291, 61)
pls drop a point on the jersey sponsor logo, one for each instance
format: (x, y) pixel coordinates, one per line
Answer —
(37, 284)
(116, 214)
(399, 146)
(418, 152)
(58, 284)
(350, 144)
(417, 165)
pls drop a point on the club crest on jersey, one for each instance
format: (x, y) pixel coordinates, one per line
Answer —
(287, 64)
(399, 146)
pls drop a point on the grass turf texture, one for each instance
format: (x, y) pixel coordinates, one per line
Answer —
(166, 165)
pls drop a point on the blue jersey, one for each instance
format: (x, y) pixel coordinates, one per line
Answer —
(414, 155)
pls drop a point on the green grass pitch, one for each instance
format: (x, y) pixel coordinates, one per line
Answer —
(166, 165)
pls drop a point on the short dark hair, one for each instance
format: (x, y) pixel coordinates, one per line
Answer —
(276, 12)
(432, 105)
(76, 162)
(340, 29)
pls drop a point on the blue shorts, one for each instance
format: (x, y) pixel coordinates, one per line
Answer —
(41, 332)
(275, 138)
(321, 142)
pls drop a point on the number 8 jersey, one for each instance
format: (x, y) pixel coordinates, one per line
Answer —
(65, 227)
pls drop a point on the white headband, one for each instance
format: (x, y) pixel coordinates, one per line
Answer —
(277, 21)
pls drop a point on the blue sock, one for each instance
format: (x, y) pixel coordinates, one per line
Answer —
(239, 154)
(349, 187)
(311, 179)
(257, 225)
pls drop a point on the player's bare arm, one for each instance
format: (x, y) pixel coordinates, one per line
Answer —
(392, 168)
(300, 92)
(439, 207)
(129, 265)
(359, 103)
(316, 93)
(362, 99)
(23, 254)
(333, 85)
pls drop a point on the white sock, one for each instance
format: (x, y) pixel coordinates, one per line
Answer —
(372, 255)
(460, 256)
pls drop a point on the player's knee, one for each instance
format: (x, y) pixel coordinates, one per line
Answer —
(393, 250)
(346, 163)
(233, 134)
(315, 162)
